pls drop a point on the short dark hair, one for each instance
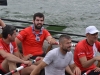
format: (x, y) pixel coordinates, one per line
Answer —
(8, 30)
(38, 15)
(64, 36)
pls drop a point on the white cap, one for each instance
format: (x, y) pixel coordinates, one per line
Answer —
(91, 30)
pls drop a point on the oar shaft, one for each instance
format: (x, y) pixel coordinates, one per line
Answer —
(10, 73)
(87, 72)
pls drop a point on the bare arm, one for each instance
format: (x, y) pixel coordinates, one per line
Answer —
(37, 70)
(68, 70)
(11, 57)
(17, 41)
(51, 40)
(75, 69)
(72, 66)
(87, 63)
(2, 23)
(13, 66)
(18, 54)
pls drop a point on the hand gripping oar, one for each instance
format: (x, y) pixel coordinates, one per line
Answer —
(21, 67)
(87, 72)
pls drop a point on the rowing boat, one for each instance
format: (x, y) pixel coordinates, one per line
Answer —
(47, 47)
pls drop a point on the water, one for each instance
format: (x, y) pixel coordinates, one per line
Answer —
(75, 14)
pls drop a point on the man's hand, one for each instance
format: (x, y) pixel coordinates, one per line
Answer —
(27, 57)
(77, 71)
(29, 63)
(97, 69)
(53, 41)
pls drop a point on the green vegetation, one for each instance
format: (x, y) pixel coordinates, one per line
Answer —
(56, 28)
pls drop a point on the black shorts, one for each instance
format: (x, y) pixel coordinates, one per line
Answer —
(2, 72)
(18, 64)
(91, 73)
(33, 57)
(42, 72)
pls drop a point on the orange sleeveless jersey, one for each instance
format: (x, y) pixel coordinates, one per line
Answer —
(29, 43)
(6, 47)
(84, 49)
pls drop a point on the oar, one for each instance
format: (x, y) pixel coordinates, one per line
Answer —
(87, 72)
(21, 67)
(28, 22)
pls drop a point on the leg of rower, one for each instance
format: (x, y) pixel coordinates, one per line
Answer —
(27, 70)
(38, 62)
(12, 66)
(4, 66)
(8, 66)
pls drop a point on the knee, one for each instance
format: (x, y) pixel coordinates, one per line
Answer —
(28, 70)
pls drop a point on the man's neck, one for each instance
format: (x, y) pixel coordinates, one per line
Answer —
(62, 52)
(90, 42)
(36, 29)
(6, 41)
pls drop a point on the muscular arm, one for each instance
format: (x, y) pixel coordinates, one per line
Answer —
(37, 70)
(68, 70)
(75, 69)
(10, 57)
(51, 40)
(18, 54)
(72, 66)
(86, 63)
(17, 41)
(2, 23)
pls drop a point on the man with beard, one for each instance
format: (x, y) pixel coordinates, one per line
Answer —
(32, 39)
(8, 50)
(56, 60)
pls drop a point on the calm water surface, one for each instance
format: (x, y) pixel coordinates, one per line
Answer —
(75, 14)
